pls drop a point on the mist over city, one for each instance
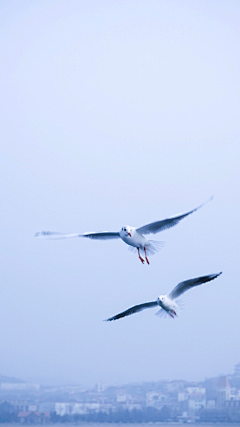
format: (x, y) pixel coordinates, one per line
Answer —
(211, 400)
(120, 129)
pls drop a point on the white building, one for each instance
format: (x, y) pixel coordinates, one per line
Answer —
(124, 398)
(73, 408)
(62, 408)
(182, 396)
(155, 399)
(85, 408)
(196, 402)
(195, 397)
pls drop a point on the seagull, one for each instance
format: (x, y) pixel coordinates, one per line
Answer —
(167, 302)
(132, 236)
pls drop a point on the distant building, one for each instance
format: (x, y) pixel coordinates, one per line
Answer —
(131, 407)
(46, 407)
(211, 404)
(156, 400)
(85, 408)
(100, 388)
(223, 391)
(32, 408)
(232, 404)
(124, 398)
(198, 390)
(27, 417)
(195, 398)
(182, 396)
(196, 401)
(19, 405)
(62, 408)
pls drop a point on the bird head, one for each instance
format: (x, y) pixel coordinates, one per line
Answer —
(126, 231)
(161, 300)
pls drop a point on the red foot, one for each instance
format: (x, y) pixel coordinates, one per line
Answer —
(141, 259)
(171, 315)
(174, 312)
(146, 256)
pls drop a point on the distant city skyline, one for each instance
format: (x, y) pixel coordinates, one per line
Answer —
(216, 399)
(118, 113)
(35, 380)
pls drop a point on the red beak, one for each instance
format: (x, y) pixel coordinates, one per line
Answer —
(129, 234)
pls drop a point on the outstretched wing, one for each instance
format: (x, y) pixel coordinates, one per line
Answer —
(133, 310)
(155, 227)
(188, 284)
(104, 235)
(55, 235)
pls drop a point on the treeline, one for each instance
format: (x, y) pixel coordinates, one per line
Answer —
(6, 417)
(145, 415)
(227, 415)
(148, 414)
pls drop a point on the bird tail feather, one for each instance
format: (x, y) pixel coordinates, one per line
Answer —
(178, 309)
(155, 246)
(152, 248)
(162, 313)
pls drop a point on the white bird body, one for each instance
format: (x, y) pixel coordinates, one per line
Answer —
(167, 303)
(132, 236)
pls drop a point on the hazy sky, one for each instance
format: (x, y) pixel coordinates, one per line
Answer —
(114, 113)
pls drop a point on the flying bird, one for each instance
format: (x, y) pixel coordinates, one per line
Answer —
(167, 302)
(132, 236)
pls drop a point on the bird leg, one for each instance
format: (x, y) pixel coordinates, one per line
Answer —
(141, 259)
(146, 255)
(171, 315)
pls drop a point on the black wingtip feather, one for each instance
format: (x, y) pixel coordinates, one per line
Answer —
(208, 277)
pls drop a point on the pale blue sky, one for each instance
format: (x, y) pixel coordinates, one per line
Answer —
(118, 113)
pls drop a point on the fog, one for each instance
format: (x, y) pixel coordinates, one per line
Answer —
(118, 113)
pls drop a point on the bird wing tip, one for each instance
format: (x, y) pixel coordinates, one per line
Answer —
(40, 233)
